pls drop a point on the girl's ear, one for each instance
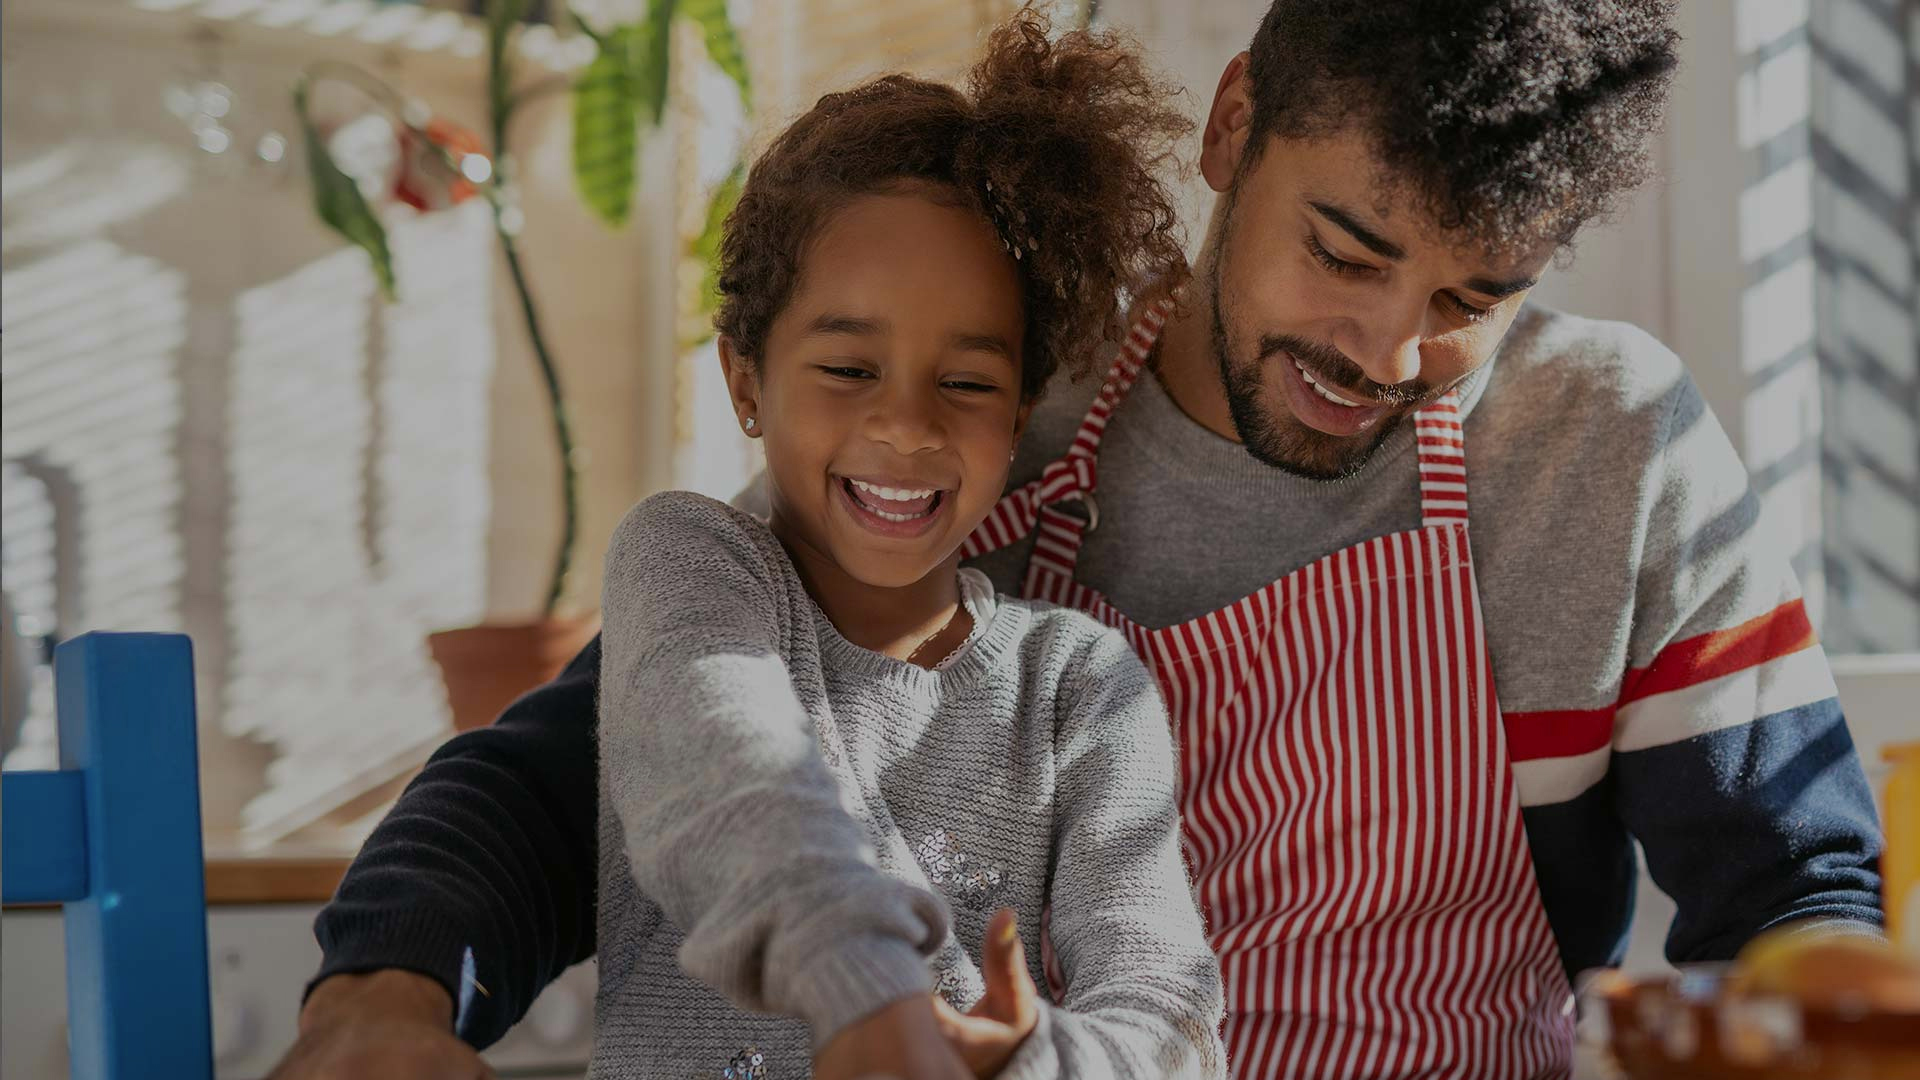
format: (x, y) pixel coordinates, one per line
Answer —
(743, 386)
(1020, 421)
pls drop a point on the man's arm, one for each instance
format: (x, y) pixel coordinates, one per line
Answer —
(490, 852)
(1732, 762)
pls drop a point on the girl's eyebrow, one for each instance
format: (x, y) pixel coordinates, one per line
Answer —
(831, 324)
(983, 343)
(850, 325)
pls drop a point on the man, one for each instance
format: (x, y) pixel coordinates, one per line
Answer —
(1451, 599)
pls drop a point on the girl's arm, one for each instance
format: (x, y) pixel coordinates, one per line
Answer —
(732, 822)
(1143, 994)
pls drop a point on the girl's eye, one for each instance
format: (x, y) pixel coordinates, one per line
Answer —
(1467, 311)
(850, 373)
(969, 386)
(1332, 263)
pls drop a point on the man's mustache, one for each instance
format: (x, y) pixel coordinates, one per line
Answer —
(1330, 366)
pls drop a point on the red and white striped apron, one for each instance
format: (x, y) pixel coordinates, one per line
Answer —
(1349, 811)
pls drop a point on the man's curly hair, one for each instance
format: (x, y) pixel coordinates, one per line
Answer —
(1513, 121)
(1058, 143)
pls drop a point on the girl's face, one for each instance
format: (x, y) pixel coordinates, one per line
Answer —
(889, 392)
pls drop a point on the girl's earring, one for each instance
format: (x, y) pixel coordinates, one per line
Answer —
(1011, 454)
(751, 424)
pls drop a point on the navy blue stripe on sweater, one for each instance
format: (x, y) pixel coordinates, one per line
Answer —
(1746, 827)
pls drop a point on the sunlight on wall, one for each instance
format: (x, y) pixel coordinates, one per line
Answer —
(89, 338)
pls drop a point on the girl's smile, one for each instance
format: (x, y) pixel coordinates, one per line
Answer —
(902, 509)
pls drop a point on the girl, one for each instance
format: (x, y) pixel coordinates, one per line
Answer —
(825, 704)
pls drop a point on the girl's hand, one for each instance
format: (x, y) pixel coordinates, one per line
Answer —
(987, 1034)
(902, 1041)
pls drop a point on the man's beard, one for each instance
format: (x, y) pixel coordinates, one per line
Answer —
(1282, 440)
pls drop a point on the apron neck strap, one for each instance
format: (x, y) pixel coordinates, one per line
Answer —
(1443, 461)
(1125, 371)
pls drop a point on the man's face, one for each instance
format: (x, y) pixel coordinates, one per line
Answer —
(1337, 309)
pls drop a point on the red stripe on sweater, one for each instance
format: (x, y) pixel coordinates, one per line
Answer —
(1557, 733)
(1781, 632)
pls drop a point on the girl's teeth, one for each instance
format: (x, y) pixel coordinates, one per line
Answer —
(1323, 391)
(896, 517)
(893, 494)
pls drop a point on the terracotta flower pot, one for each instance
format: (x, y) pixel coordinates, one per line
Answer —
(487, 667)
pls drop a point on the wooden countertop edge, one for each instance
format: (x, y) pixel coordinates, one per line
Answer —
(231, 881)
(274, 880)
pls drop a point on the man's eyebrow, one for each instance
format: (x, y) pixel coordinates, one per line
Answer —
(852, 325)
(1500, 290)
(1373, 241)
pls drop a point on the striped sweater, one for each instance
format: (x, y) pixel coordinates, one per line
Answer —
(1657, 673)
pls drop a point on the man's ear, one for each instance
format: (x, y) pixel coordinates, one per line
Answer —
(1223, 141)
(743, 386)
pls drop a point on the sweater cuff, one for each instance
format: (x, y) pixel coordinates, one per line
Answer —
(421, 943)
(856, 978)
(1831, 926)
(1034, 1058)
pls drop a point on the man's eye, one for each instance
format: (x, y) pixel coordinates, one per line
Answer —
(1467, 311)
(1333, 263)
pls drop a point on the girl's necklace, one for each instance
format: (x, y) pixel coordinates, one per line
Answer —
(959, 611)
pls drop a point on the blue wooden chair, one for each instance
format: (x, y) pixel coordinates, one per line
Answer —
(114, 837)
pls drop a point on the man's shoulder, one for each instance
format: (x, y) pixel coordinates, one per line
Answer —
(1589, 368)
(1586, 396)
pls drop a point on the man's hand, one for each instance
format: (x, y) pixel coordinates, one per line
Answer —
(987, 1034)
(903, 1041)
(386, 1025)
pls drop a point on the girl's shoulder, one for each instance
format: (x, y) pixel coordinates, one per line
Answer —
(679, 525)
(1067, 642)
(690, 513)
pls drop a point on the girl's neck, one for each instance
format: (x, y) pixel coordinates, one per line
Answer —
(922, 623)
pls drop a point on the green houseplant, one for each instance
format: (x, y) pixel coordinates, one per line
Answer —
(622, 90)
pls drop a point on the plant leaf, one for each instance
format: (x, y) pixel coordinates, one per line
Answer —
(604, 138)
(650, 58)
(337, 199)
(705, 248)
(722, 41)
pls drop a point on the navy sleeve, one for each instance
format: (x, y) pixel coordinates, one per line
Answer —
(1755, 825)
(486, 869)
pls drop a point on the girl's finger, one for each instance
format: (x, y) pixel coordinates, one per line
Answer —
(1011, 996)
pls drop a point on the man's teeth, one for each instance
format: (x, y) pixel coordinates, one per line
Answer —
(893, 494)
(1323, 391)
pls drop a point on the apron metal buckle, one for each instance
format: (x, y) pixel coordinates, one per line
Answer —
(1093, 507)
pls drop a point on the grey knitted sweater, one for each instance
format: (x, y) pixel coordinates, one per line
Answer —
(1034, 770)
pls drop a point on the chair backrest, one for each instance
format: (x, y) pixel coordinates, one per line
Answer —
(114, 837)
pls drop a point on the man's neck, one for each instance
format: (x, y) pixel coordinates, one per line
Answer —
(1186, 365)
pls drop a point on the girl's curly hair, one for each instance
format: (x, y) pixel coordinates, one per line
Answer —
(1058, 143)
